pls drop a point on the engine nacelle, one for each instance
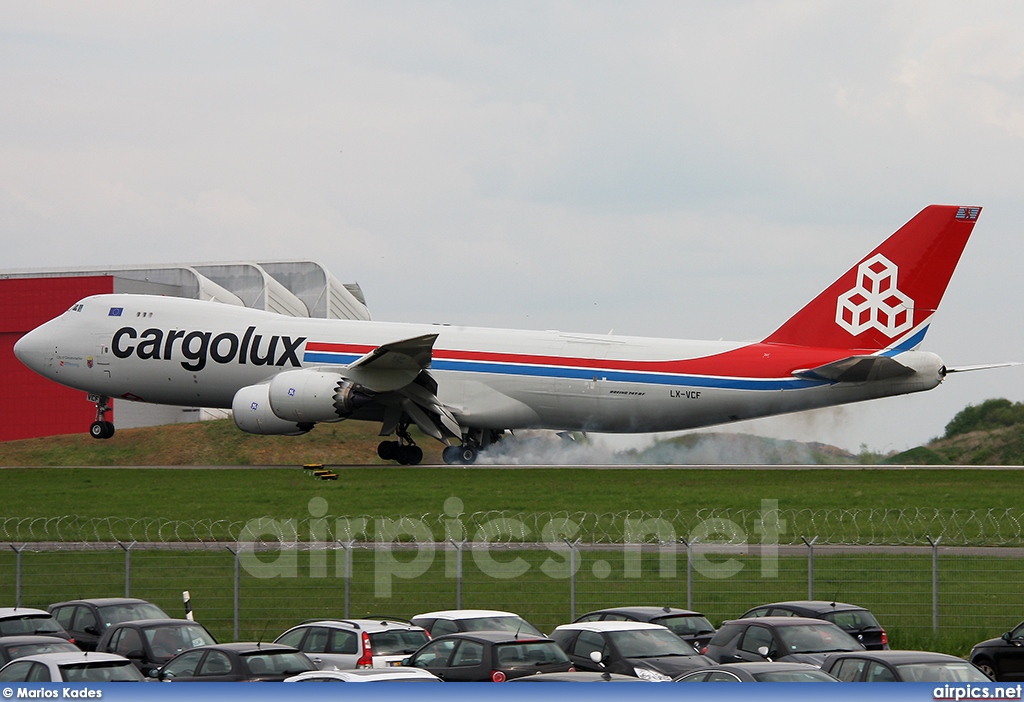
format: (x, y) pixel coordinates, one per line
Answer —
(315, 396)
(252, 412)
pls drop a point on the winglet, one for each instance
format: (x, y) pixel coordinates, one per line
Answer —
(886, 300)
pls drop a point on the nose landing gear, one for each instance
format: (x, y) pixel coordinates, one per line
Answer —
(101, 428)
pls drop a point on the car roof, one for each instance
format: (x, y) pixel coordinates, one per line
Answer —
(820, 606)
(102, 601)
(578, 676)
(73, 657)
(152, 623)
(609, 626)
(759, 666)
(362, 624)
(896, 657)
(465, 614)
(645, 611)
(244, 647)
(367, 674)
(11, 612)
(780, 621)
(493, 637)
(22, 639)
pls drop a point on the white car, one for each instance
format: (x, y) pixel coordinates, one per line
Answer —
(23, 621)
(345, 644)
(366, 675)
(71, 667)
(455, 620)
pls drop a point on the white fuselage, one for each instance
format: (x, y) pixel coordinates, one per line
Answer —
(186, 352)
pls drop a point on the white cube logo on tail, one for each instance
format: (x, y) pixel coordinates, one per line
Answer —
(875, 302)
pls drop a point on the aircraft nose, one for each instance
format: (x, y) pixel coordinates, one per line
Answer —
(33, 348)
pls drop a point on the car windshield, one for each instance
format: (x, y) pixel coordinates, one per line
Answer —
(510, 623)
(31, 649)
(816, 638)
(30, 624)
(685, 625)
(277, 663)
(852, 619)
(106, 671)
(168, 641)
(649, 643)
(793, 676)
(397, 641)
(941, 672)
(133, 612)
(528, 654)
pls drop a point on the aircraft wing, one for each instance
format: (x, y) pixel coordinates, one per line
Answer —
(984, 366)
(394, 365)
(857, 369)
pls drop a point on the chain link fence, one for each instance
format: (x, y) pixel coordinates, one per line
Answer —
(945, 574)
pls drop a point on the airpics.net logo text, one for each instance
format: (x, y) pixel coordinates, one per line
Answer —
(406, 548)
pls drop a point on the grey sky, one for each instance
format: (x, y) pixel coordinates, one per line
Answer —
(694, 170)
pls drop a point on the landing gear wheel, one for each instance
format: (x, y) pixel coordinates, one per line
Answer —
(388, 450)
(101, 430)
(468, 454)
(409, 455)
(452, 455)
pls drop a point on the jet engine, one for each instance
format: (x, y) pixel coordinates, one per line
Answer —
(315, 396)
(252, 412)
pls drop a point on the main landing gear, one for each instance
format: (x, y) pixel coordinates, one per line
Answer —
(460, 455)
(101, 428)
(405, 450)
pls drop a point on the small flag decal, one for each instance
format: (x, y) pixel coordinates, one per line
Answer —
(115, 311)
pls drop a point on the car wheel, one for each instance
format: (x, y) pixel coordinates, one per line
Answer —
(985, 666)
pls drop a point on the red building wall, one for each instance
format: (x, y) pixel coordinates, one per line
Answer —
(40, 407)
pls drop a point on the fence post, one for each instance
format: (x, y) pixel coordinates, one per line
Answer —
(935, 583)
(238, 591)
(572, 576)
(127, 567)
(810, 566)
(458, 570)
(347, 545)
(689, 570)
(17, 573)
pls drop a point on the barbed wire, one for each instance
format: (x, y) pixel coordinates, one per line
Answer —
(853, 527)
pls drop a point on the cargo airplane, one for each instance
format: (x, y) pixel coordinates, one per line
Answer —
(857, 340)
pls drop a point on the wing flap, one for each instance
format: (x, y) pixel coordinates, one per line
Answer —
(394, 365)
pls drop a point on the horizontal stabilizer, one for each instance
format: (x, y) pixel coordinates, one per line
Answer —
(857, 369)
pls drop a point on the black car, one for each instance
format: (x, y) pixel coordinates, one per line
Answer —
(902, 666)
(12, 647)
(692, 627)
(647, 651)
(150, 643)
(758, 672)
(236, 662)
(1001, 659)
(495, 656)
(86, 620)
(856, 621)
(791, 639)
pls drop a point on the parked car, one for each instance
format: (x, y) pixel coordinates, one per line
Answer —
(648, 651)
(454, 620)
(496, 656)
(20, 621)
(12, 647)
(758, 672)
(86, 620)
(1001, 659)
(355, 643)
(73, 667)
(791, 639)
(366, 675)
(149, 643)
(692, 627)
(856, 621)
(902, 666)
(236, 662)
(579, 676)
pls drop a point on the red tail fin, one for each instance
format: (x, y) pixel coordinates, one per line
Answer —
(888, 298)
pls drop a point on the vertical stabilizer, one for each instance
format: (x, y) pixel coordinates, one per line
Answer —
(886, 300)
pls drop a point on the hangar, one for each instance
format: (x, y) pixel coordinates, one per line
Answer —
(30, 297)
